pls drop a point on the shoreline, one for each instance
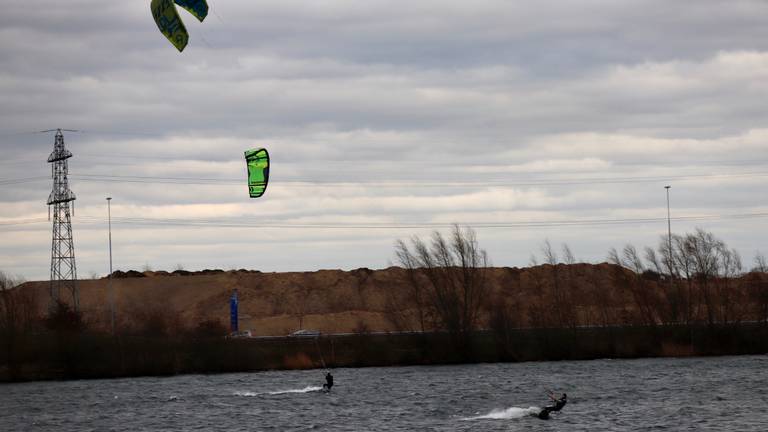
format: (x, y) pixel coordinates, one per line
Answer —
(71, 356)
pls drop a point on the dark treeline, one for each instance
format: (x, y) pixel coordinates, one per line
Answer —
(63, 345)
(84, 355)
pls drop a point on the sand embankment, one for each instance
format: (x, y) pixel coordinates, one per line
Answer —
(336, 301)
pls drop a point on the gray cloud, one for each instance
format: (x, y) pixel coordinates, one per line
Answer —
(381, 112)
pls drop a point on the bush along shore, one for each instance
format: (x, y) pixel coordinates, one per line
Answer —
(74, 354)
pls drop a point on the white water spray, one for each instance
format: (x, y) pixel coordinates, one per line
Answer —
(504, 414)
(307, 389)
(304, 390)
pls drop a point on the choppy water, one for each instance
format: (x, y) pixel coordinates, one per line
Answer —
(698, 394)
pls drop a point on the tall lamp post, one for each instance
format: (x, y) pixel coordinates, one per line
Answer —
(669, 230)
(111, 289)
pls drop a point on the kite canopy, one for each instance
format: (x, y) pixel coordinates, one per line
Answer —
(198, 8)
(258, 171)
(170, 24)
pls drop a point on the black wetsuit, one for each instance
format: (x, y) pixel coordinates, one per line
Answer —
(559, 404)
(328, 381)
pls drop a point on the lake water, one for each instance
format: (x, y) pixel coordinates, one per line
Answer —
(697, 394)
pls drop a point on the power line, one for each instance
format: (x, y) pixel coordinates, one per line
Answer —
(393, 184)
(256, 223)
(28, 221)
(23, 180)
(385, 225)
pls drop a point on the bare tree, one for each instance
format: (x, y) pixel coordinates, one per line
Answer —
(660, 264)
(550, 256)
(455, 276)
(704, 279)
(653, 260)
(667, 253)
(564, 312)
(729, 269)
(571, 300)
(613, 257)
(631, 259)
(761, 263)
(568, 255)
(702, 247)
(683, 263)
(634, 282)
(710, 271)
(416, 295)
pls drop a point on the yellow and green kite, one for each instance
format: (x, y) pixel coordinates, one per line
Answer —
(169, 22)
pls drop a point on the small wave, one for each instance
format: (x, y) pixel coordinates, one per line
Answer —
(304, 390)
(246, 394)
(504, 414)
(307, 389)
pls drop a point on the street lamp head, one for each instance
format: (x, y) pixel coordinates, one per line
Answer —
(667, 187)
(109, 198)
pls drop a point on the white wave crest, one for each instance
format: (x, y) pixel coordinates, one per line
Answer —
(304, 390)
(509, 413)
(246, 394)
(307, 389)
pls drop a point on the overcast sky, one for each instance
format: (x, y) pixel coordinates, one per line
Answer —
(529, 121)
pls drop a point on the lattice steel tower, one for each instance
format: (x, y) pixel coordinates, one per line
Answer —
(63, 270)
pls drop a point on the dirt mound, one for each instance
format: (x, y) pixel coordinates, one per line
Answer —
(365, 300)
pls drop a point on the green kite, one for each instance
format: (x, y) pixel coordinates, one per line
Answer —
(258, 171)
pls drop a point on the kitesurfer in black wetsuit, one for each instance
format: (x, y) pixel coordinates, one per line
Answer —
(559, 404)
(328, 381)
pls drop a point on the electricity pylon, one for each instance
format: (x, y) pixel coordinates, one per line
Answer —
(63, 269)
